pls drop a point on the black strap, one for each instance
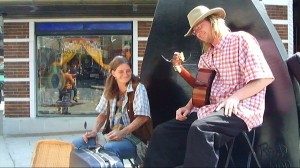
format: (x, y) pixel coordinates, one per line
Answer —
(107, 123)
(129, 105)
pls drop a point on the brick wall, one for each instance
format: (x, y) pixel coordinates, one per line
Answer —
(17, 109)
(141, 53)
(16, 50)
(282, 31)
(14, 69)
(17, 89)
(143, 31)
(142, 47)
(16, 30)
(144, 28)
(278, 12)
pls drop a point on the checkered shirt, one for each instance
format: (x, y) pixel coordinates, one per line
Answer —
(237, 60)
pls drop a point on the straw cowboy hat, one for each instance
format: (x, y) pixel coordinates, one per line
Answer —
(199, 13)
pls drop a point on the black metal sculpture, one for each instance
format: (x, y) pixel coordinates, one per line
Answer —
(277, 139)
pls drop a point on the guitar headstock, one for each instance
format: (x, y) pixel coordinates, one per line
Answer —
(178, 58)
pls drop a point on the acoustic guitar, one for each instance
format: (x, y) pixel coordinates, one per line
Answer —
(201, 84)
(202, 87)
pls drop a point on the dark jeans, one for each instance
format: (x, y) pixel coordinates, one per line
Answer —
(194, 143)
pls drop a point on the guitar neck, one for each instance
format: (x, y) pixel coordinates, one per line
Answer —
(187, 76)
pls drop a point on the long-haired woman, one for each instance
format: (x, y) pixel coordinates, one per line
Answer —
(120, 139)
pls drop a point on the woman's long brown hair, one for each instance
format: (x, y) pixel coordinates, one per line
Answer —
(111, 87)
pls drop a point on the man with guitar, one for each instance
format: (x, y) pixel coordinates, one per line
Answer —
(236, 96)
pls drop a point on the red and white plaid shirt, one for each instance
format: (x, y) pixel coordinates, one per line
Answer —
(237, 59)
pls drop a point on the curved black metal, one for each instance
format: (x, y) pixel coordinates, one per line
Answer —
(277, 139)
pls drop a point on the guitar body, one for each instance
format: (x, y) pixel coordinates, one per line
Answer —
(202, 87)
(201, 84)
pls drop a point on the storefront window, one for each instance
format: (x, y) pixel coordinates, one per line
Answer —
(64, 52)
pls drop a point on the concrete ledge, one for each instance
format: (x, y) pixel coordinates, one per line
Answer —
(25, 126)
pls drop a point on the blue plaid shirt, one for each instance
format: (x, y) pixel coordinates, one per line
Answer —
(140, 104)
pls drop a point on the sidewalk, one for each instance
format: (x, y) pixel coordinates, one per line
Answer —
(16, 151)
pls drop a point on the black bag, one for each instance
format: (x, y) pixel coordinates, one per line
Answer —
(293, 63)
(85, 157)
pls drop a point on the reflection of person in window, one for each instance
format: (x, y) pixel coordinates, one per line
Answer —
(69, 83)
(74, 71)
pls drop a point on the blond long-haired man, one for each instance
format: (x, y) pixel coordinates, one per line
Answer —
(237, 98)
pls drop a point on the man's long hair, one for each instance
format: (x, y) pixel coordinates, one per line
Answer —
(219, 29)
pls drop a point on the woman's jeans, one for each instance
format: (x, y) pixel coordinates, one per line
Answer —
(124, 149)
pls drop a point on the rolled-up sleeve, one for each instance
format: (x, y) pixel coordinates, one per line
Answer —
(101, 107)
(141, 102)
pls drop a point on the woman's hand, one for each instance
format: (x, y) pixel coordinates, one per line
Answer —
(115, 135)
(181, 113)
(88, 135)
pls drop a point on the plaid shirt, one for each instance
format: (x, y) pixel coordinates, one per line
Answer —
(140, 104)
(237, 59)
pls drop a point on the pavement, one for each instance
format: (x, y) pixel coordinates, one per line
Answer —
(16, 151)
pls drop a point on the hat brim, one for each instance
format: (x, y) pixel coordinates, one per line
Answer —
(215, 11)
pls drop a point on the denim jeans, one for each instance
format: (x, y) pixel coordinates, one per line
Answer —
(124, 149)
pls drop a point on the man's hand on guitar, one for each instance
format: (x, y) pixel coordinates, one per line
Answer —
(181, 113)
(177, 60)
(230, 106)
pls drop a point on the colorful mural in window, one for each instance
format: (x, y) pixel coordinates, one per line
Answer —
(81, 59)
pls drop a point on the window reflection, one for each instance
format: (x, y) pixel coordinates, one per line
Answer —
(83, 58)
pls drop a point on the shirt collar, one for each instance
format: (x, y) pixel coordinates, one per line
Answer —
(221, 44)
(129, 87)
